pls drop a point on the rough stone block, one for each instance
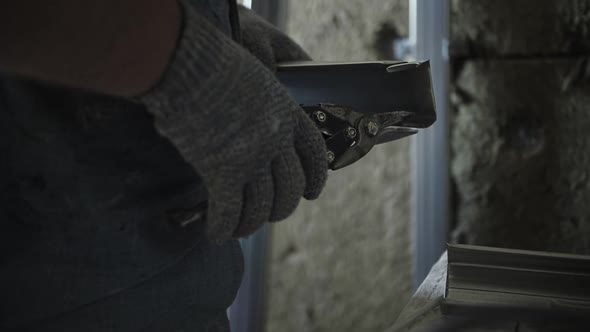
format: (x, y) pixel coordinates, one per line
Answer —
(351, 30)
(523, 27)
(521, 154)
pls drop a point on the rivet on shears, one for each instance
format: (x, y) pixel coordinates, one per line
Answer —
(321, 116)
(372, 128)
(330, 156)
(351, 132)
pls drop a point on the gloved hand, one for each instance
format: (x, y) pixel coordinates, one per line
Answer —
(266, 42)
(229, 117)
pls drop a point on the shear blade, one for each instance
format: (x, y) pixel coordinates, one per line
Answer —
(389, 134)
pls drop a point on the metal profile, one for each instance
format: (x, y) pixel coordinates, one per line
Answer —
(430, 148)
(506, 281)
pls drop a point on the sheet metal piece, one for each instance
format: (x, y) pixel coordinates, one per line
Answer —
(365, 87)
(376, 101)
(505, 281)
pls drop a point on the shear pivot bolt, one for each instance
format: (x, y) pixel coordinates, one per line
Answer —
(330, 156)
(320, 116)
(372, 128)
(351, 132)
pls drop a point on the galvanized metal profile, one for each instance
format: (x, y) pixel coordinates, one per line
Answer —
(247, 313)
(429, 33)
(498, 281)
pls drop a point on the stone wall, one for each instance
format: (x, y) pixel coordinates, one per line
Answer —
(520, 157)
(521, 128)
(343, 262)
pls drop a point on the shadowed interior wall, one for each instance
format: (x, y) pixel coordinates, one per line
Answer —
(521, 129)
(343, 262)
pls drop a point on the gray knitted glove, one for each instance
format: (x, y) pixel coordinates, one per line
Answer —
(229, 117)
(266, 42)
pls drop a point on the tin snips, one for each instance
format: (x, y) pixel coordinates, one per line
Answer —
(359, 105)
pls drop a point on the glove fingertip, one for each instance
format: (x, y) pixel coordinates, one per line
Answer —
(286, 50)
(289, 179)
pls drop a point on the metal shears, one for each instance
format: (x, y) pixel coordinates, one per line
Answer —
(359, 105)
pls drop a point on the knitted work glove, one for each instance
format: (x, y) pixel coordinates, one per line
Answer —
(266, 42)
(229, 117)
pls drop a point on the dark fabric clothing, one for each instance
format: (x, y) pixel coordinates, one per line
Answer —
(87, 187)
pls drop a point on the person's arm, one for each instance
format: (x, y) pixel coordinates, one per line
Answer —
(105, 46)
(224, 111)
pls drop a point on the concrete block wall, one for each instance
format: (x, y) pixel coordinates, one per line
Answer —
(343, 262)
(521, 128)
